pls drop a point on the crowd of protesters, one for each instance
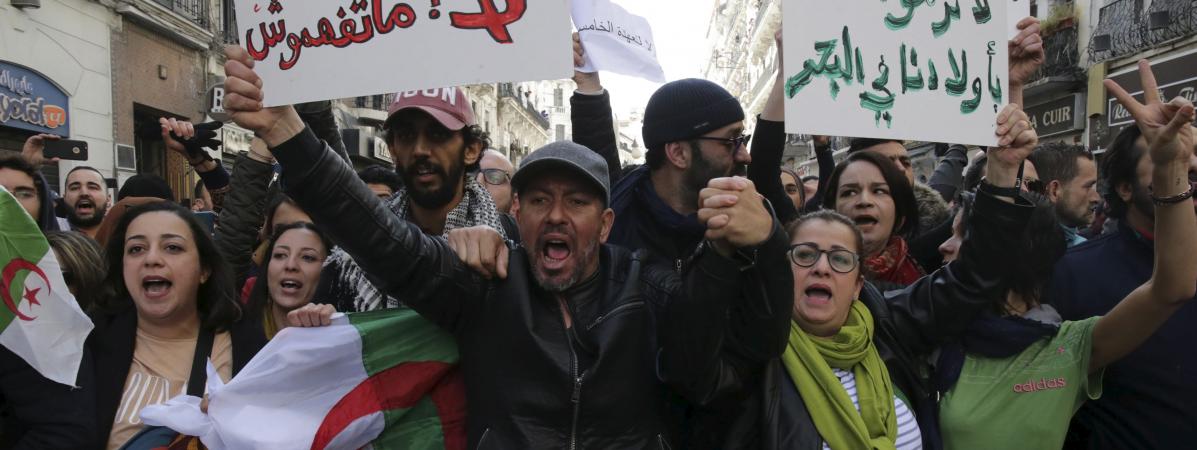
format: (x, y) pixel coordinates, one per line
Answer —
(709, 299)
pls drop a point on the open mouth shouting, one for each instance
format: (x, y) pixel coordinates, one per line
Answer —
(85, 207)
(818, 294)
(290, 286)
(156, 287)
(424, 172)
(866, 222)
(555, 250)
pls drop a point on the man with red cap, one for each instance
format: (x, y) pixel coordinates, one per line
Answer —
(435, 141)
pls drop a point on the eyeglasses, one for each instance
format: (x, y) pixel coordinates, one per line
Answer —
(735, 142)
(495, 176)
(24, 194)
(807, 255)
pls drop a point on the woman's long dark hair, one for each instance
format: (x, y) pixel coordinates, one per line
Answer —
(1036, 251)
(216, 299)
(259, 297)
(906, 208)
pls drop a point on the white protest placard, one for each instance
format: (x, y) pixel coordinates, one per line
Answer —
(616, 40)
(1016, 11)
(903, 69)
(307, 50)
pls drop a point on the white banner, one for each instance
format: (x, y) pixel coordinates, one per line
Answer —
(307, 50)
(903, 69)
(616, 40)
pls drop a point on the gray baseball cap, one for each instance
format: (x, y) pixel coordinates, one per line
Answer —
(564, 156)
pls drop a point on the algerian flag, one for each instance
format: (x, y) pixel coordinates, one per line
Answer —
(387, 378)
(40, 319)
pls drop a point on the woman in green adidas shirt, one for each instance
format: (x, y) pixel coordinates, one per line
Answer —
(1017, 375)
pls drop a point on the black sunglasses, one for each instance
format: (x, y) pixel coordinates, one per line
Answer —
(735, 142)
(495, 176)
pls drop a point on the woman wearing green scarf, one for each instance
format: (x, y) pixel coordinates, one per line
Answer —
(856, 373)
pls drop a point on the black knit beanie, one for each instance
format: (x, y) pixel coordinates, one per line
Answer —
(685, 109)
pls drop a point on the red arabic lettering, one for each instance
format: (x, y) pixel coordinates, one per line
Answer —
(400, 16)
(491, 19)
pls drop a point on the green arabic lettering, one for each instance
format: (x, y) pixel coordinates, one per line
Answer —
(959, 80)
(949, 12)
(968, 106)
(810, 68)
(981, 12)
(911, 82)
(846, 72)
(995, 83)
(880, 105)
(933, 79)
(897, 23)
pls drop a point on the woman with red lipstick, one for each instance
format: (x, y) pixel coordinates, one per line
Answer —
(294, 258)
(173, 309)
(875, 194)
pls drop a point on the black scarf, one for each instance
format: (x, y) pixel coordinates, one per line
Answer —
(993, 337)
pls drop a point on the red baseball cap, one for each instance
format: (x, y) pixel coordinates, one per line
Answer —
(450, 106)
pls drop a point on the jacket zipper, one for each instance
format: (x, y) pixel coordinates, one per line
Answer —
(677, 266)
(576, 396)
(612, 312)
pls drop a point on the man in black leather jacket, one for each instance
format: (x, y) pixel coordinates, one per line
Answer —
(581, 343)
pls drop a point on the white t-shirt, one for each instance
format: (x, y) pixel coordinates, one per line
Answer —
(909, 437)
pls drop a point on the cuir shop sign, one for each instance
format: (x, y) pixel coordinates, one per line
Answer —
(1173, 74)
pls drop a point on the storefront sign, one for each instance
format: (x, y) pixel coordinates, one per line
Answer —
(30, 101)
(1175, 78)
(216, 104)
(1058, 116)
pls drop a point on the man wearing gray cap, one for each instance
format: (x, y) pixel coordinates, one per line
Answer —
(573, 343)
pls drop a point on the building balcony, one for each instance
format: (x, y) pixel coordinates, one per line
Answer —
(187, 22)
(508, 91)
(1125, 27)
(194, 10)
(1061, 67)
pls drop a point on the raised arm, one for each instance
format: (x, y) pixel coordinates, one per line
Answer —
(245, 209)
(768, 143)
(941, 305)
(1169, 135)
(591, 116)
(397, 257)
(740, 279)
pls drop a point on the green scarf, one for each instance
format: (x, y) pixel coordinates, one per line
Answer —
(809, 362)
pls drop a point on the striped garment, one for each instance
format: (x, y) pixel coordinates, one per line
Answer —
(909, 437)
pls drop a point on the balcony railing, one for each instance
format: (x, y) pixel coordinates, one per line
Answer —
(1062, 59)
(507, 90)
(194, 10)
(762, 8)
(1125, 28)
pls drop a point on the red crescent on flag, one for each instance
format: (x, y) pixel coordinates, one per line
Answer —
(402, 386)
(10, 271)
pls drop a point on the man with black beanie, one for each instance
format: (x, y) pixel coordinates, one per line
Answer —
(693, 131)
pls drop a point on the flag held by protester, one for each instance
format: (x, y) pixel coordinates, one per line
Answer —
(385, 378)
(40, 320)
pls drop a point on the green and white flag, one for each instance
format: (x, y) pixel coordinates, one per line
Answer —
(385, 379)
(40, 320)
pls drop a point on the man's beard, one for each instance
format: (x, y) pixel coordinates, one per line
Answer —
(1071, 219)
(701, 172)
(561, 285)
(438, 197)
(96, 218)
(1141, 200)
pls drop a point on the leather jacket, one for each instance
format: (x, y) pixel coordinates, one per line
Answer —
(531, 382)
(911, 323)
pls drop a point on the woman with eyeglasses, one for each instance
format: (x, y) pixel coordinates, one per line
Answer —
(855, 373)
